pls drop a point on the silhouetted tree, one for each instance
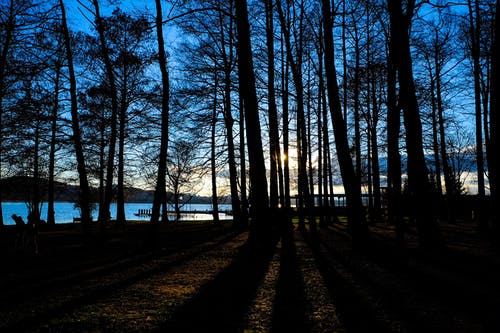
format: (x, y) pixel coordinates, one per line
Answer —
(128, 39)
(84, 200)
(211, 64)
(394, 184)
(259, 200)
(475, 49)
(276, 186)
(418, 182)
(53, 144)
(295, 61)
(183, 171)
(15, 22)
(437, 49)
(104, 208)
(356, 218)
(494, 166)
(159, 193)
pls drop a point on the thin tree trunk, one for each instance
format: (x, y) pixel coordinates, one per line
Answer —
(102, 156)
(356, 220)
(86, 215)
(36, 198)
(275, 179)
(229, 121)
(104, 211)
(286, 131)
(52, 154)
(120, 195)
(369, 170)
(286, 195)
(296, 67)
(332, 204)
(435, 136)
(474, 26)
(368, 116)
(344, 59)
(393, 154)
(160, 191)
(448, 177)
(243, 223)
(310, 173)
(213, 165)
(327, 177)
(377, 196)
(324, 139)
(356, 107)
(319, 137)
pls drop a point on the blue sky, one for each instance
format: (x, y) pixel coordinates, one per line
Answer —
(78, 22)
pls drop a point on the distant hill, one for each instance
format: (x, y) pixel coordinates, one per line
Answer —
(19, 188)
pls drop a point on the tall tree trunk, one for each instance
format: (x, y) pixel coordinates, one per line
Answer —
(345, 96)
(321, 157)
(160, 191)
(75, 125)
(310, 173)
(275, 179)
(475, 30)
(435, 135)
(369, 116)
(52, 154)
(102, 156)
(448, 176)
(36, 198)
(259, 199)
(356, 219)
(377, 195)
(356, 107)
(302, 144)
(327, 173)
(228, 119)
(286, 194)
(286, 131)
(494, 167)
(120, 190)
(393, 154)
(324, 139)
(329, 167)
(213, 164)
(369, 170)
(104, 211)
(418, 182)
(243, 223)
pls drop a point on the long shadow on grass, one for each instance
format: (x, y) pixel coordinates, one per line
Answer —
(354, 312)
(222, 303)
(289, 313)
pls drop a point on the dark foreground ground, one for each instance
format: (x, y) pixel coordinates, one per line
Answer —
(206, 278)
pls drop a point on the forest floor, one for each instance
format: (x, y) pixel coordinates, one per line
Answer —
(207, 278)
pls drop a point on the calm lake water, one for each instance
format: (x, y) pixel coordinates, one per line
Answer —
(66, 211)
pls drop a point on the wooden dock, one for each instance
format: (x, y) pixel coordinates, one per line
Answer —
(148, 212)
